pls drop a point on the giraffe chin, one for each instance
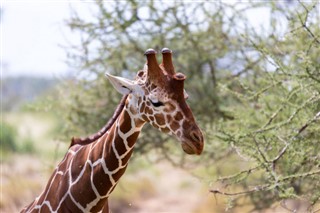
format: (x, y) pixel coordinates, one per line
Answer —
(189, 148)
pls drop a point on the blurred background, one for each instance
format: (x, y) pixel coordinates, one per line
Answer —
(253, 71)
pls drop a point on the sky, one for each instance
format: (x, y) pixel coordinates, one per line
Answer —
(32, 32)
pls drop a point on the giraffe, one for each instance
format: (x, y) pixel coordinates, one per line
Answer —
(92, 167)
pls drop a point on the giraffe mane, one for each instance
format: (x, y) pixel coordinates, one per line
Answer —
(104, 129)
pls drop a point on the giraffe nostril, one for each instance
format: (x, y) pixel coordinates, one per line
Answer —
(196, 136)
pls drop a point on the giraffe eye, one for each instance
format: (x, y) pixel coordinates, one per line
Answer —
(157, 104)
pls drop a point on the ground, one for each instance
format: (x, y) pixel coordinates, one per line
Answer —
(162, 189)
(146, 187)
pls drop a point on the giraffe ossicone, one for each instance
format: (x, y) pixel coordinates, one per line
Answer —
(92, 167)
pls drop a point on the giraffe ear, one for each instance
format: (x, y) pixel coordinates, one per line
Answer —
(123, 85)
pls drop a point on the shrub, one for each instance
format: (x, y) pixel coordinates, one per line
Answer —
(7, 137)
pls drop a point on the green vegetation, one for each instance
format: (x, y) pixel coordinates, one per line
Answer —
(7, 137)
(28, 119)
(254, 90)
(32, 133)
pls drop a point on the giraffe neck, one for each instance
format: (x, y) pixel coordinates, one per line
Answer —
(87, 175)
(108, 158)
(118, 144)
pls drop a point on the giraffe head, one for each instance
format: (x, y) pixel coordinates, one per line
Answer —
(157, 96)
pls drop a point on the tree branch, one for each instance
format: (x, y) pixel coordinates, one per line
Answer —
(315, 118)
(255, 189)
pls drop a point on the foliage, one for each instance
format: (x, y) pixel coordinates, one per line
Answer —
(276, 125)
(9, 140)
(255, 91)
(7, 137)
(27, 146)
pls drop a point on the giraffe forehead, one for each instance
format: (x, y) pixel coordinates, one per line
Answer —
(159, 93)
(170, 85)
(165, 92)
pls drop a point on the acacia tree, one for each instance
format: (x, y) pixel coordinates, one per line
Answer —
(277, 113)
(256, 93)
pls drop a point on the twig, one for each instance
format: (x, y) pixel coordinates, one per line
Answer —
(283, 104)
(248, 171)
(259, 150)
(312, 99)
(304, 23)
(299, 175)
(281, 153)
(284, 149)
(255, 189)
(266, 186)
(316, 117)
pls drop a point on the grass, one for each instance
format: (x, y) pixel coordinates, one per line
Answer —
(27, 168)
(35, 135)
(27, 188)
(146, 184)
(133, 188)
(23, 177)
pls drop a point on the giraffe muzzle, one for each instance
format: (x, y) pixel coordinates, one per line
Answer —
(193, 144)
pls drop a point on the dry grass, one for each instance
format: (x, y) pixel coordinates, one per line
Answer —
(145, 188)
(16, 191)
(21, 182)
(24, 174)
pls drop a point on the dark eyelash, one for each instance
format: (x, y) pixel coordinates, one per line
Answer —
(157, 104)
